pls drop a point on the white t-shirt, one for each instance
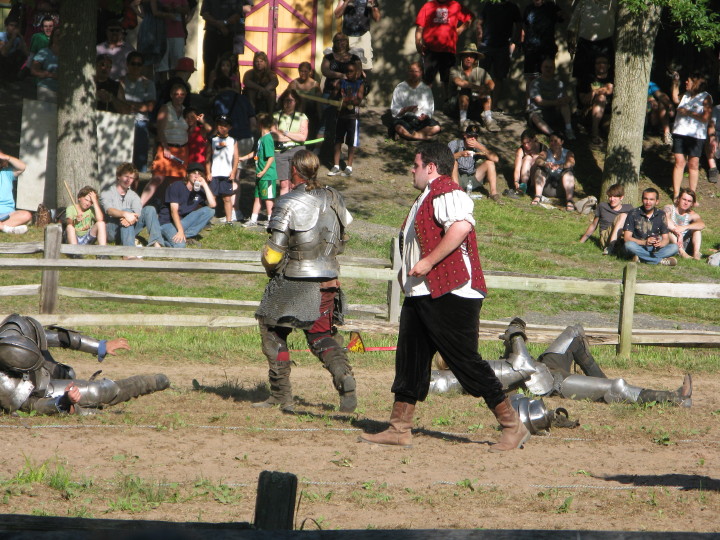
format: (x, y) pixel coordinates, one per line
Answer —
(685, 125)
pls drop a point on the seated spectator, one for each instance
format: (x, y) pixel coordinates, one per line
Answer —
(238, 108)
(660, 111)
(685, 224)
(116, 48)
(227, 66)
(40, 40)
(712, 148)
(13, 50)
(549, 104)
(260, 84)
(189, 207)
(184, 69)
(554, 173)
(595, 92)
(138, 95)
(84, 221)
(646, 233)
(473, 90)
(126, 216)
(172, 153)
(475, 162)
(525, 156)
(221, 159)
(413, 106)
(44, 68)
(107, 90)
(306, 84)
(606, 215)
(12, 221)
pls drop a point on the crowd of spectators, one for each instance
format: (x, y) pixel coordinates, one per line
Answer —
(142, 70)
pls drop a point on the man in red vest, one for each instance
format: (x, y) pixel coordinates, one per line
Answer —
(444, 288)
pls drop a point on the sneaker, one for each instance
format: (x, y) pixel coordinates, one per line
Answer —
(18, 229)
(570, 134)
(606, 251)
(669, 261)
(495, 198)
(713, 175)
(334, 171)
(491, 124)
(511, 193)
(347, 171)
(250, 223)
(667, 139)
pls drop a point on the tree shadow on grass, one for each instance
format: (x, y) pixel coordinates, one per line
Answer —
(685, 482)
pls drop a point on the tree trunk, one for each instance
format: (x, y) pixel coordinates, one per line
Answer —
(635, 35)
(77, 132)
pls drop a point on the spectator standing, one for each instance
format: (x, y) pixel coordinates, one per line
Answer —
(549, 103)
(265, 171)
(439, 24)
(139, 96)
(554, 173)
(596, 92)
(238, 108)
(224, 29)
(474, 88)
(197, 142)
(590, 34)
(334, 68)
(690, 129)
(116, 48)
(606, 215)
(660, 111)
(172, 12)
(290, 130)
(358, 16)
(497, 32)
(12, 221)
(44, 68)
(685, 224)
(13, 51)
(538, 36)
(347, 129)
(712, 147)
(85, 221)
(107, 90)
(260, 83)
(172, 135)
(646, 233)
(125, 215)
(475, 162)
(221, 160)
(189, 207)
(413, 106)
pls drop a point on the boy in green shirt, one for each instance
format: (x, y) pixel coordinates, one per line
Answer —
(266, 174)
(85, 221)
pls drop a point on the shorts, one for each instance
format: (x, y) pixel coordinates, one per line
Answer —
(170, 167)
(475, 108)
(4, 217)
(535, 57)
(282, 162)
(363, 42)
(224, 185)
(550, 115)
(496, 62)
(605, 237)
(265, 189)
(347, 130)
(688, 146)
(434, 62)
(174, 52)
(412, 123)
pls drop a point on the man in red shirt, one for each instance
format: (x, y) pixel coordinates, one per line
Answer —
(439, 24)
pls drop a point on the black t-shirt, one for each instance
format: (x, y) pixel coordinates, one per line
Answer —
(539, 25)
(498, 21)
(587, 83)
(340, 67)
(357, 18)
(112, 88)
(188, 200)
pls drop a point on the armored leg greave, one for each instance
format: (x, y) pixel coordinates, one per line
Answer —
(571, 345)
(138, 385)
(275, 349)
(335, 360)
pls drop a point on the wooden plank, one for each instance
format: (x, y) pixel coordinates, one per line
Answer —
(147, 265)
(627, 310)
(19, 290)
(679, 290)
(275, 502)
(554, 284)
(49, 283)
(162, 253)
(21, 248)
(144, 319)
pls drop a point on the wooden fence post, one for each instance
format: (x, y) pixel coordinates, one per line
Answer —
(627, 310)
(393, 292)
(50, 278)
(275, 503)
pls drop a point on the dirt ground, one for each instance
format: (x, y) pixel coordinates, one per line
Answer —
(625, 468)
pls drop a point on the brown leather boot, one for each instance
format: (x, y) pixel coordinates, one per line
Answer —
(514, 432)
(400, 431)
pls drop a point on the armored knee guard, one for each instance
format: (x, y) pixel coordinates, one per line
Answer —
(335, 360)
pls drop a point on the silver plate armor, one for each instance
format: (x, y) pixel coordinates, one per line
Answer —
(92, 393)
(532, 412)
(309, 225)
(13, 392)
(22, 340)
(62, 337)
(597, 389)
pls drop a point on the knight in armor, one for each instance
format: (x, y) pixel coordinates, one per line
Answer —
(31, 379)
(552, 373)
(307, 232)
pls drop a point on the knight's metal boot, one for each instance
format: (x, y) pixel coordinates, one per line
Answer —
(280, 386)
(400, 431)
(681, 397)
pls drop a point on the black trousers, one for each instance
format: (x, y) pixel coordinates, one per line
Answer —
(448, 325)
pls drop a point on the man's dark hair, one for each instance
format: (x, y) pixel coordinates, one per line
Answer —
(84, 192)
(134, 55)
(651, 190)
(12, 19)
(439, 154)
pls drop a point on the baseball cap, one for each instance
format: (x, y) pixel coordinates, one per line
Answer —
(195, 166)
(185, 64)
(223, 119)
(473, 130)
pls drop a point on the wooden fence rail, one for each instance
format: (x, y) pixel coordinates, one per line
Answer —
(365, 268)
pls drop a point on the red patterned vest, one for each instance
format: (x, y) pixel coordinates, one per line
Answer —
(450, 273)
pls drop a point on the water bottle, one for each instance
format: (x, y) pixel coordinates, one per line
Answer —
(468, 189)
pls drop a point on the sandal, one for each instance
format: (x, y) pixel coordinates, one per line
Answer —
(570, 206)
(535, 201)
